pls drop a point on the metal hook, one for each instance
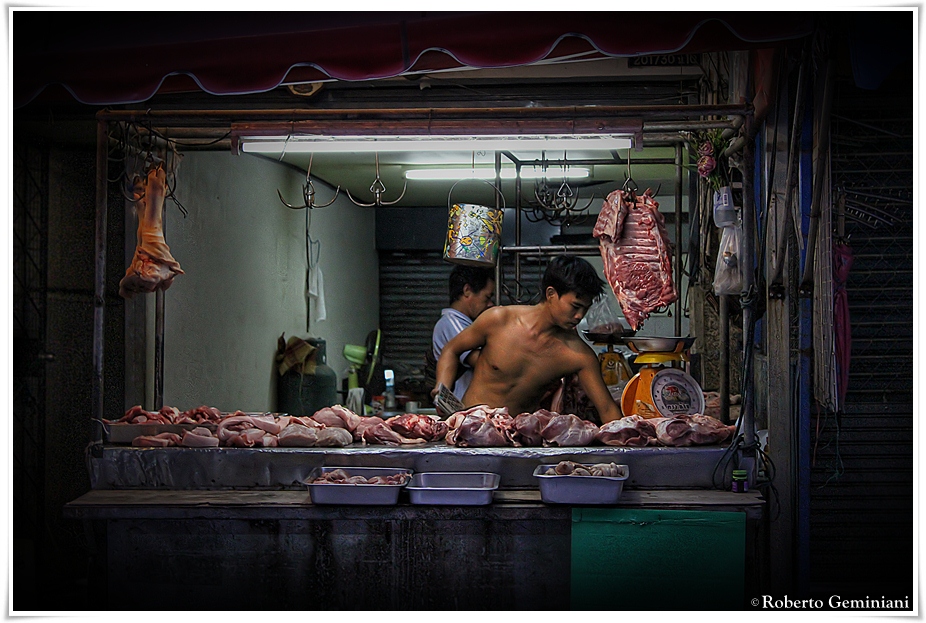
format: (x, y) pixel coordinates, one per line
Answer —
(378, 189)
(308, 192)
(135, 184)
(629, 184)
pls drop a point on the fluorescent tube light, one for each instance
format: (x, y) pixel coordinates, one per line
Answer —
(319, 144)
(488, 173)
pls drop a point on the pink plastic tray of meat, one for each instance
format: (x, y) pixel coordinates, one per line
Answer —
(356, 494)
(569, 489)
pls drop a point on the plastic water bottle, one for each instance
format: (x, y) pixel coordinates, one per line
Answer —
(724, 210)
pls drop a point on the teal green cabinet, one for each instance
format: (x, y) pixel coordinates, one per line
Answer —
(635, 559)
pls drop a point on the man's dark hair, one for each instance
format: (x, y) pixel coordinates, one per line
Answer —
(474, 276)
(568, 273)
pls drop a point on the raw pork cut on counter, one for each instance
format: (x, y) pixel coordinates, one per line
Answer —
(631, 430)
(480, 426)
(337, 415)
(199, 437)
(153, 267)
(691, 430)
(418, 426)
(526, 427)
(161, 440)
(636, 252)
(380, 433)
(333, 437)
(565, 429)
(297, 436)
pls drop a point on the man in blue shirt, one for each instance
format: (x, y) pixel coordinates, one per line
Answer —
(472, 291)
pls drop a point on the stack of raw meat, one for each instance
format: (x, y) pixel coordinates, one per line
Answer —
(334, 426)
(170, 415)
(636, 252)
(479, 426)
(678, 431)
(482, 426)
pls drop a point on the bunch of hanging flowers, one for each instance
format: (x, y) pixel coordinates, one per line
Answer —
(712, 166)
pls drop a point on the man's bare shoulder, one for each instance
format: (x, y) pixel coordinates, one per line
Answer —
(577, 345)
(501, 314)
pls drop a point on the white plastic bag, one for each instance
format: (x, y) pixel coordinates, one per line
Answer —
(604, 317)
(728, 276)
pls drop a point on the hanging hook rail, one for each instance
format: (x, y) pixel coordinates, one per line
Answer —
(556, 206)
(378, 189)
(308, 192)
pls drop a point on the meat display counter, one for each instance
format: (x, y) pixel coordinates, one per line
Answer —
(119, 467)
(241, 521)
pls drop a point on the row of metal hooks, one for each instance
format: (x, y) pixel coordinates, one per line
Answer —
(377, 188)
(559, 206)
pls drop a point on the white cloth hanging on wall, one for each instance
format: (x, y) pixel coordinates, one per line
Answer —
(317, 293)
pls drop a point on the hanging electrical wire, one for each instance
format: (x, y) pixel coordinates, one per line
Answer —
(141, 148)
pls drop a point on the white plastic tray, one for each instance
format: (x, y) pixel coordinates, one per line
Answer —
(453, 488)
(557, 489)
(355, 494)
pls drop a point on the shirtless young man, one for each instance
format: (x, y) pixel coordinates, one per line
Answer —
(526, 347)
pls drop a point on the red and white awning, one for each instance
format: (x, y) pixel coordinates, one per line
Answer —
(106, 58)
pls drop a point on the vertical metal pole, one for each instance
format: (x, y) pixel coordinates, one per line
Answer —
(749, 286)
(724, 358)
(678, 238)
(517, 229)
(99, 286)
(805, 337)
(499, 273)
(158, 350)
(159, 332)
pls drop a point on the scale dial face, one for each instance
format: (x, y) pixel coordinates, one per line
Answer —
(675, 392)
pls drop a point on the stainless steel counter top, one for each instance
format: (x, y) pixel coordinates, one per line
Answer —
(121, 467)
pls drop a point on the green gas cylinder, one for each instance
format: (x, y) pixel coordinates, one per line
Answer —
(304, 394)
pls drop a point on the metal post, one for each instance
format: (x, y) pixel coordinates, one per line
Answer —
(517, 229)
(804, 372)
(99, 286)
(678, 238)
(158, 350)
(749, 285)
(159, 333)
(820, 162)
(724, 359)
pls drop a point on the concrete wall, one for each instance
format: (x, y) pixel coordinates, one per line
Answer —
(244, 257)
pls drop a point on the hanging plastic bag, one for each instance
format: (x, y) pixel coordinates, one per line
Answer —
(728, 276)
(604, 318)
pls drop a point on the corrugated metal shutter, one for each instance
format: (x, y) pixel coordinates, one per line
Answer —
(861, 493)
(413, 290)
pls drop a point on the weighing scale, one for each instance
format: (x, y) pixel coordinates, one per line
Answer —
(659, 390)
(614, 367)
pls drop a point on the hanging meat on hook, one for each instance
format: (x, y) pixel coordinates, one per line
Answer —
(153, 267)
(635, 249)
